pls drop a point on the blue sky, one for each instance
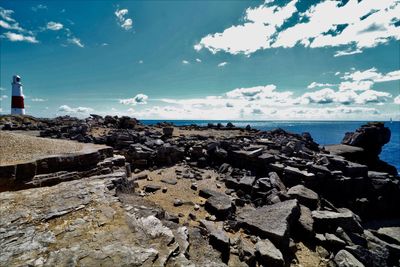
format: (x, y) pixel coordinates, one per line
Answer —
(258, 60)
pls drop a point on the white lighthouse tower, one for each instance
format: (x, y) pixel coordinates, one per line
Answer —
(17, 100)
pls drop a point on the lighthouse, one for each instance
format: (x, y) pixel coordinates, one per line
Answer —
(17, 100)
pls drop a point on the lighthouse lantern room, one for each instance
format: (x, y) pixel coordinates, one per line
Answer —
(17, 100)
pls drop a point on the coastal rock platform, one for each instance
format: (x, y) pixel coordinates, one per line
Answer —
(163, 195)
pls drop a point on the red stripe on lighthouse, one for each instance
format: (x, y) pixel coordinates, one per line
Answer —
(17, 102)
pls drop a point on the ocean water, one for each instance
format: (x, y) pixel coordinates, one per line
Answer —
(323, 132)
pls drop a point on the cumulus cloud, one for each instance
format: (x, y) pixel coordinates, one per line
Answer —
(364, 80)
(9, 23)
(396, 100)
(68, 109)
(355, 25)
(17, 37)
(123, 21)
(54, 26)
(138, 99)
(222, 64)
(260, 25)
(185, 62)
(198, 60)
(76, 41)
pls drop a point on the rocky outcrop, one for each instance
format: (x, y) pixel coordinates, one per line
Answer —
(371, 138)
(202, 196)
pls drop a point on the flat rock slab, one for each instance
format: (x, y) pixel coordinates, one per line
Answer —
(170, 181)
(345, 259)
(305, 196)
(269, 254)
(325, 220)
(38, 156)
(272, 221)
(343, 149)
(390, 234)
(221, 206)
(78, 223)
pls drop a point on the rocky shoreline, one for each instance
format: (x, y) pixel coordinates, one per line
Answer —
(219, 195)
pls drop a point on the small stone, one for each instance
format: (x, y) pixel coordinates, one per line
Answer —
(164, 189)
(218, 185)
(178, 202)
(193, 186)
(196, 207)
(192, 216)
(152, 188)
(181, 215)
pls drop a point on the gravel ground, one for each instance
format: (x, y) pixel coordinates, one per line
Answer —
(17, 148)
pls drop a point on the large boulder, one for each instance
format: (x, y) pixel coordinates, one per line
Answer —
(271, 221)
(329, 221)
(371, 137)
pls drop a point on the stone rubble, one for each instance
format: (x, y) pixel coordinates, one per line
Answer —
(200, 196)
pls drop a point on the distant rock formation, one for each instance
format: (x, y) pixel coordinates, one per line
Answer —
(371, 137)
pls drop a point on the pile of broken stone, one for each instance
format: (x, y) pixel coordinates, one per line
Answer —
(281, 188)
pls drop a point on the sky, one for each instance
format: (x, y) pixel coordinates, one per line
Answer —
(208, 60)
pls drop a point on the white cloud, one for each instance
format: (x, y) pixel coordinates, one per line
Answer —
(76, 41)
(54, 26)
(390, 76)
(138, 99)
(185, 62)
(355, 25)
(222, 64)
(396, 100)
(198, 60)
(68, 109)
(38, 100)
(8, 26)
(364, 80)
(315, 84)
(356, 85)
(6, 14)
(260, 25)
(347, 52)
(38, 7)
(11, 24)
(17, 37)
(125, 23)
(140, 61)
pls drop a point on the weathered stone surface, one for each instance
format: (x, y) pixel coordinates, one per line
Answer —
(390, 234)
(152, 188)
(218, 238)
(269, 254)
(221, 206)
(79, 222)
(305, 196)
(272, 221)
(306, 222)
(328, 220)
(246, 183)
(344, 259)
(375, 255)
(170, 181)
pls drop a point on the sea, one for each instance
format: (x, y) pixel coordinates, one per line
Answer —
(323, 132)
